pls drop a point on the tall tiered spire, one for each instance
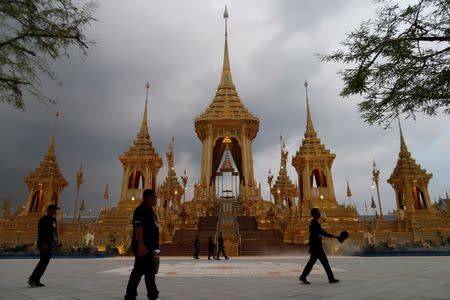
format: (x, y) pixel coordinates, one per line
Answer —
(310, 131)
(49, 166)
(51, 147)
(47, 178)
(142, 144)
(226, 79)
(226, 103)
(403, 148)
(143, 132)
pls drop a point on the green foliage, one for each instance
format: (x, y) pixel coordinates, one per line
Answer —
(399, 62)
(32, 32)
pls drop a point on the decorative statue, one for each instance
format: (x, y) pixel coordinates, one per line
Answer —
(88, 239)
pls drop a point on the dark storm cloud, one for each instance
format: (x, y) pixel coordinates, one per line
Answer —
(178, 47)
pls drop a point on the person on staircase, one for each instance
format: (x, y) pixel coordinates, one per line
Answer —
(221, 247)
(196, 247)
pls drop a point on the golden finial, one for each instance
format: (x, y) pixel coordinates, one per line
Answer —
(225, 13)
(51, 148)
(147, 88)
(171, 144)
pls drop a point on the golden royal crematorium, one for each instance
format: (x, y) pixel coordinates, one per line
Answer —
(227, 198)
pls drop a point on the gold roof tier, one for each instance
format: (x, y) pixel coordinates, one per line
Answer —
(406, 165)
(226, 104)
(142, 145)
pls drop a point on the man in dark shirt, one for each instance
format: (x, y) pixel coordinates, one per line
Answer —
(315, 248)
(145, 246)
(197, 247)
(221, 247)
(47, 238)
(211, 248)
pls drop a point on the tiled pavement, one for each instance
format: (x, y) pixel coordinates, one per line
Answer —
(237, 278)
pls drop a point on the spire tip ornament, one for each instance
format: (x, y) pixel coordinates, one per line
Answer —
(225, 13)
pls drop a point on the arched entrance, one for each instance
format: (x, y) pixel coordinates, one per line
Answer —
(227, 168)
(36, 202)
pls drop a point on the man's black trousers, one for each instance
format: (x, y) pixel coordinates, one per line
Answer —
(143, 265)
(318, 254)
(42, 264)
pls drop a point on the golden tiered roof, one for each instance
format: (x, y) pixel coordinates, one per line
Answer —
(406, 165)
(311, 144)
(283, 182)
(142, 145)
(171, 173)
(171, 187)
(226, 103)
(48, 169)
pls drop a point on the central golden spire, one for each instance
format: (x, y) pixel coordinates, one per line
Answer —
(226, 80)
(226, 103)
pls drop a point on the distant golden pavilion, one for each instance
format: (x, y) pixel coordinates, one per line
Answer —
(227, 198)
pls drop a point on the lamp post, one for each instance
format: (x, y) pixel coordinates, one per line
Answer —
(376, 179)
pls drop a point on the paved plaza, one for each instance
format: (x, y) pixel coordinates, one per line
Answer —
(237, 278)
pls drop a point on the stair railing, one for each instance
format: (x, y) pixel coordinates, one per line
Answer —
(218, 226)
(238, 235)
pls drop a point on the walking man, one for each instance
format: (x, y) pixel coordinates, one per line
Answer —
(145, 246)
(316, 250)
(221, 247)
(47, 239)
(211, 248)
(197, 247)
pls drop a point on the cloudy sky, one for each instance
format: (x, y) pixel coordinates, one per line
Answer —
(178, 47)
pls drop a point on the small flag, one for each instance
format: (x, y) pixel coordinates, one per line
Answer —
(349, 193)
(106, 194)
(373, 203)
(82, 208)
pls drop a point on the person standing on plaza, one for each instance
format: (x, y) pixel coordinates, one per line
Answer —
(221, 247)
(211, 248)
(145, 246)
(197, 247)
(47, 239)
(316, 250)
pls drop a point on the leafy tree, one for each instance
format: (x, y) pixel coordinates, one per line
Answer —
(32, 32)
(399, 62)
